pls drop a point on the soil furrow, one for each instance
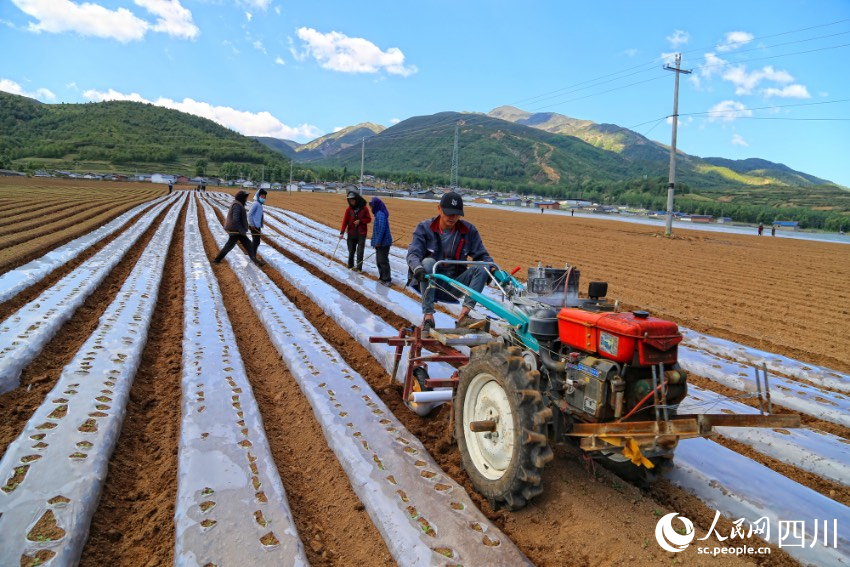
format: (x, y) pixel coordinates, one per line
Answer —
(133, 524)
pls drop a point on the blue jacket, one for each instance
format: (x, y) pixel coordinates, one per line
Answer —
(381, 229)
(426, 243)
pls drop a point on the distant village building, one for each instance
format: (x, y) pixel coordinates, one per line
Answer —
(547, 204)
(787, 225)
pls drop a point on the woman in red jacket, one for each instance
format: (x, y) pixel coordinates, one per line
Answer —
(354, 224)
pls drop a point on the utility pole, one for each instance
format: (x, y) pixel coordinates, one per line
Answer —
(453, 174)
(672, 176)
(362, 157)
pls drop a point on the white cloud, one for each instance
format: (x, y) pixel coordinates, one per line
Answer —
(738, 140)
(395, 120)
(823, 94)
(338, 52)
(631, 52)
(745, 81)
(59, 16)
(173, 19)
(277, 10)
(248, 16)
(727, 111)
(259, 45)
(337, 128)
(279, 60)
(12, 87)
(72, 86)
(790, 91)
(247, 123)
(678, 38)
(229, 44)
(734, 40)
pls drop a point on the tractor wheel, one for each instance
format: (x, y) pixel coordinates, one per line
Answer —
(504, 465)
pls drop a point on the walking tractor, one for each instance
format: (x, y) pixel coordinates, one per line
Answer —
(564, 369)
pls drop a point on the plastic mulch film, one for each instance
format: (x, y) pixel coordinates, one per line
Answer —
(24, 333)
(231, 505)
(53, 473)
(741, 488)
(424, 517)
(14, 281)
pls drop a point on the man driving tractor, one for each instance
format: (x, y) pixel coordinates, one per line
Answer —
(447, 237)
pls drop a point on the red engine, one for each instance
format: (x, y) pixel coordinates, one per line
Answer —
(632, 338)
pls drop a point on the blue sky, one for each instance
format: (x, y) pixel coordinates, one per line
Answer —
(769, 78)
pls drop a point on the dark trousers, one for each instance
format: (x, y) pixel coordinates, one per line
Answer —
(231, 242)
(382, 259)
(356, 244)
(256, 236)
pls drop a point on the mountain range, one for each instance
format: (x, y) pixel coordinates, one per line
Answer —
(524, 153)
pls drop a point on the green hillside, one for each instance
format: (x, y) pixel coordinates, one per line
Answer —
(123, 136)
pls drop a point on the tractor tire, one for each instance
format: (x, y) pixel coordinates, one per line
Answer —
(504, 466)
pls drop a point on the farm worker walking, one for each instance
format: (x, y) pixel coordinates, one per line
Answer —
(354, 224)
(773, 230)
(447, 237)
(236, 226)
(761, 228)
(255, 219)
(381, 240)
(170, 185)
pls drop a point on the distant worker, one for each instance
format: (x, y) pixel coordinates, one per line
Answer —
(204, 185)
(382, 239)
(354, 225)
(255, 220)
(773, 230)
(572, 212)
(761, 228)
(170, 185)
(447, 237)
(541, 210)
(236, 226)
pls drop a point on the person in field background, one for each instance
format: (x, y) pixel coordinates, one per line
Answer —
(236, 225)
(382, 239)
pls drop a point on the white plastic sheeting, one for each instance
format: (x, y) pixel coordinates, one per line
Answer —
(24, 334)
(231, 505)
(14, 281)
(741, 488)
(424, 517)
(819, 375)
(54, 471)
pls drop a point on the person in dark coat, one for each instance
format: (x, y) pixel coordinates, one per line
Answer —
(354, 224)
(236, 226)
(382, 239)
(447, 237)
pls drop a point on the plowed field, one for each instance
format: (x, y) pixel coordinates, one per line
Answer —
(781, 295)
